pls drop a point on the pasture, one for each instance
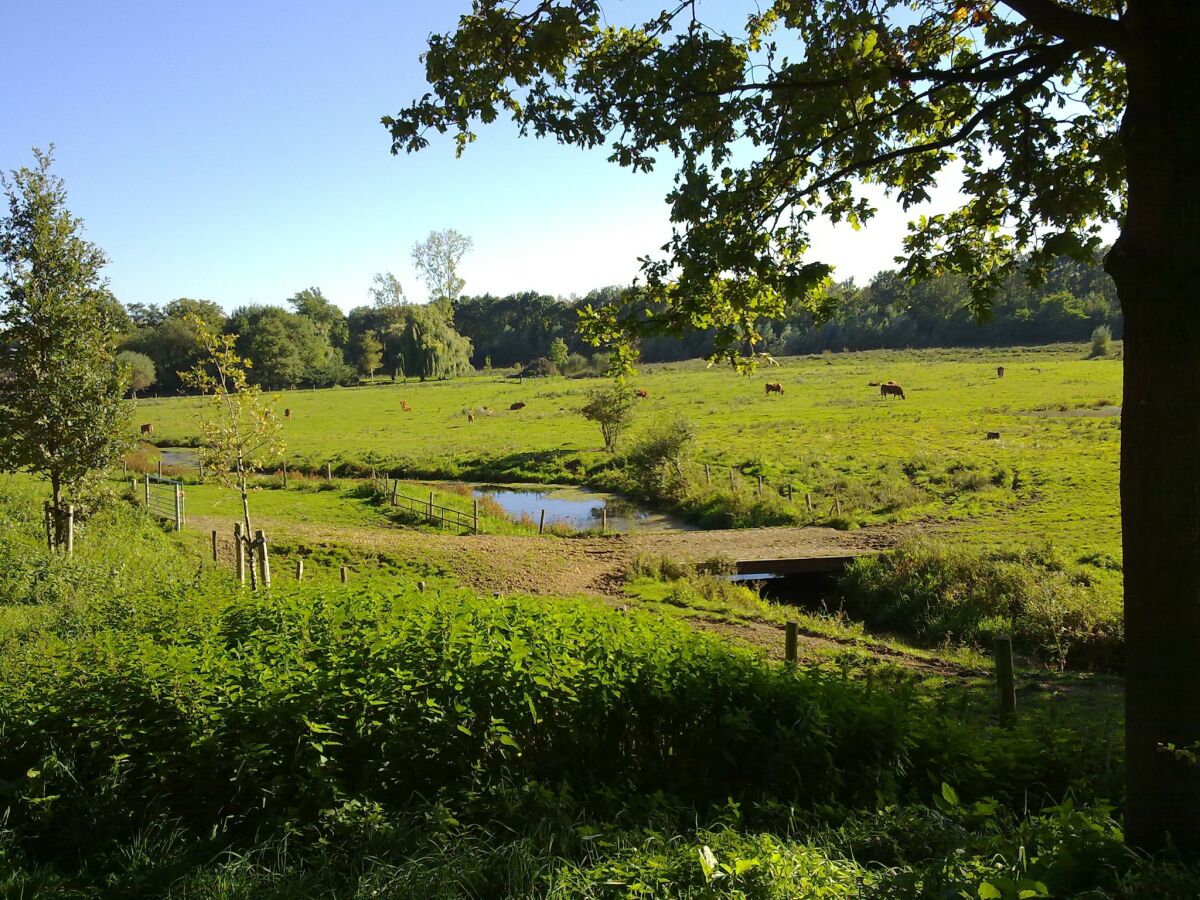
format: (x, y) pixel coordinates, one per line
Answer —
(925, 463)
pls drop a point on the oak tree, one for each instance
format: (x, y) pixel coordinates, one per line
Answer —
(1061, 115)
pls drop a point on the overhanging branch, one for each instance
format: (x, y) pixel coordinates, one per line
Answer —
(1078, 28)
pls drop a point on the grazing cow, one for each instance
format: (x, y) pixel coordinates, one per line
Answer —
(287, 412)
(517, 406)
(774, 388)
(470, 418)
(891, 389)
(872, 384)
(404, 406)
(643, 393)
(147, 428)
(993, 435)
(999, 371)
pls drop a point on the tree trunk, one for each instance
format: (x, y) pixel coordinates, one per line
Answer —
(1156, 266)
(56, 510)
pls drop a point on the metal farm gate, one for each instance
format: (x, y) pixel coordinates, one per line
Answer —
(164, 498)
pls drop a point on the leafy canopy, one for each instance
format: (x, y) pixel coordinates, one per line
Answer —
(790, 116)
(60, 384)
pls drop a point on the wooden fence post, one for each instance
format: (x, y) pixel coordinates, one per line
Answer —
(760, 485)
(147, 491)
(160, 467)
(214, 544)
(789, 492)
(299, 570)
(604, 519)
(475, 515)
(178, 508)
(789, 643)
(542, 521)
(707, 474)
(430, 514)
(1005, 681)
(328, 472)
(70, 529)
(808, 501)
(49, 526)
(837, 504)
(395, 489)
(345, 574)
(239, 553)
(264, 562)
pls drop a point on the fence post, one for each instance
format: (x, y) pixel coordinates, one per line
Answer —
(328, 472)
(160, 467)
(837, 504)
(49, 526)
(789, 492)
(604, 519)
(70, 529)
(201, 470)
(707, 474)
(264, 563)
(178, 508)
(431, 507)
(214, 544)
(475, 515)
(395, 489)
(299, 570)
(1005, 682)
(542, 521)
(345, 574)
(789, 643)
(760, 485)
(239, 553)
(125, 468)
(147, 491)
(808, 501)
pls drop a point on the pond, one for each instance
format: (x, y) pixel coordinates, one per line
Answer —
(578, 507)
(179, 456)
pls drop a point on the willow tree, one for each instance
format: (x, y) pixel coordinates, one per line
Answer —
(1060, 114)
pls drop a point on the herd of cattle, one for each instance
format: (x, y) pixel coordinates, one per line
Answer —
(886, 389)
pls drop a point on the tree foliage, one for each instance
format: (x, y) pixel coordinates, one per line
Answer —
(139, 370)
(436, 259)
(60, 384)
(612, 409)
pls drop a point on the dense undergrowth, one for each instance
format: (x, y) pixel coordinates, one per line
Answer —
(176, 736)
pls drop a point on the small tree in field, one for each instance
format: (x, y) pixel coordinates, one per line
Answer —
(241, 432)
(612, 410)
(1101, 341)
(559, 355)
(139, 369)
(60, 386)
(370, 354)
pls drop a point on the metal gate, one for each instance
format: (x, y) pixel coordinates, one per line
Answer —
(164, 498)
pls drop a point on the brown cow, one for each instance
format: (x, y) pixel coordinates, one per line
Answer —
(147, 428)
(774, 388)
(404, 406)
(470, 418)
(999, 371)
(643, 393)
(287, 412)
(517, 406)
(891, 389)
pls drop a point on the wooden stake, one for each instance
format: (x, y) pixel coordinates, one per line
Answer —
(808, 501)
(395, 489)
(214, 544)
(789, 643)
(837, 503)
(328, 472)
(239, 553)
(431, 507)
(178, 508)
(789, 492)
(760, 485)
(1005, 680)
(70, 529)
(299, 570)
(160, 468)
(604, 518)
(147, 490)
(707, 474)
(542, 521)
(264, 562)
(345, 574)
(475, 514)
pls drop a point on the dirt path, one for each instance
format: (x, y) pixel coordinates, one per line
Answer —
(567, 566)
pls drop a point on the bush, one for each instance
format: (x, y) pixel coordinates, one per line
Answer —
(612, 410)
(655, 462)
(934, 593)
(1101, 342)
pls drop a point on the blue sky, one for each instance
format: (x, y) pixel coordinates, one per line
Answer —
(232, 151)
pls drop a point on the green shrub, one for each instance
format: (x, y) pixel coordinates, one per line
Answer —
(934, 593)
(1101, 342)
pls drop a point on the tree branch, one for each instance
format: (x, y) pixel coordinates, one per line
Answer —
(1078, 28)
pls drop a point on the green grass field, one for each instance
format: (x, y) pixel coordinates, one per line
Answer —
(1051, 477)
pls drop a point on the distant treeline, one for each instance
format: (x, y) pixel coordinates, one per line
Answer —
(315, 344)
